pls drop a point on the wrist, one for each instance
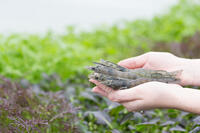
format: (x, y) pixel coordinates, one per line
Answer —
(194, 67)
(169, 96)
(191, 71)
(187, 99)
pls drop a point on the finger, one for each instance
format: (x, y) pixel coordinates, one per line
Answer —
(98, 90)
(107, 89)
(119, 95)
(134, 106)
(134, 62)
(124, 95)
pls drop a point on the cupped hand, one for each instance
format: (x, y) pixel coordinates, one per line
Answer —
(164, 61)
(142, 97)
(152, 95)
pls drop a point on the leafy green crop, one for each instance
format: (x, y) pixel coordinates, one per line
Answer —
(67, 55)
(26, 108)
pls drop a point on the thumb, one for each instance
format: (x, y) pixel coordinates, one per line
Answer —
(134, 62)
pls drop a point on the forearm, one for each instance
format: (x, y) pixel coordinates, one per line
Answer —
(188, 100)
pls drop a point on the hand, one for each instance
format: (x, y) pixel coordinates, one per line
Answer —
(142, 97)
(156, 94)
(167, 62)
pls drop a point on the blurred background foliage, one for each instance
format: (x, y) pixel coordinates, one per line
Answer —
(49, 60)
(67, 55)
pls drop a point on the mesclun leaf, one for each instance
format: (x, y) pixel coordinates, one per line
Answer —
(195, 130)
(196, 120)
(116, 110)
(142, 126)
(183, 114)
(149, 123)
(111, 105)
(25, 83)
(70, 91)
(101, 117)
(131, 127)
(177, 128)
(21, 110)
(165, 132)
(138, 117)
(126, 117)
(115, 131)
(150, 114)
(89, 95)
(168, 123)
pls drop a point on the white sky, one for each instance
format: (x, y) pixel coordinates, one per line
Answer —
(40, 15)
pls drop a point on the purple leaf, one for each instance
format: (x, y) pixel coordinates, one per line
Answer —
(177, 128)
